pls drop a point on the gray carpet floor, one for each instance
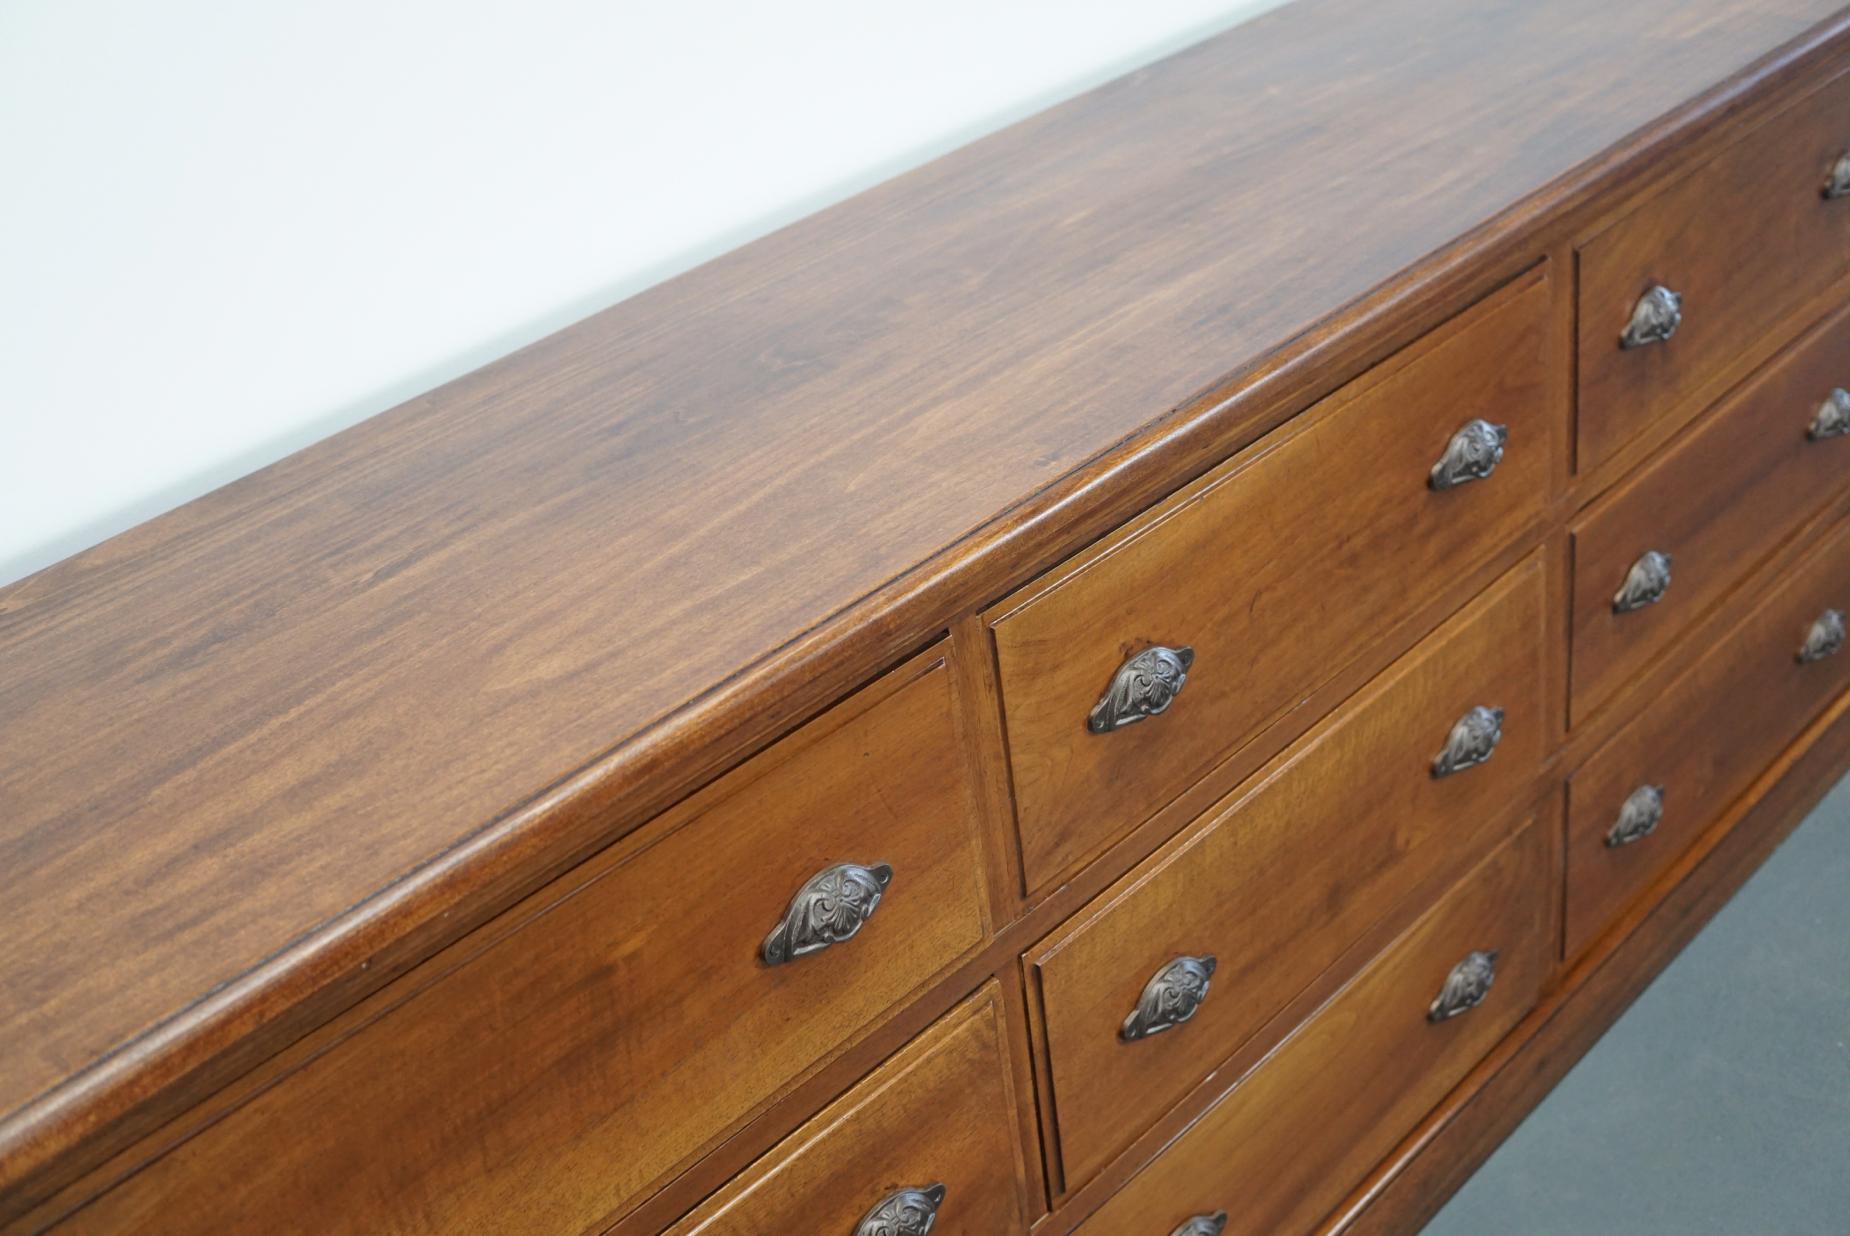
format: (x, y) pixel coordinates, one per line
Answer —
(1720, 1101)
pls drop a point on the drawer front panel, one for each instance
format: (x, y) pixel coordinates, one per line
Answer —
(1700, 741)
(1715, 503)
(939, 1121)
(1299, 1132)
(1270, 573)
(1741, 240)
(1277, 884)
(559, 1071)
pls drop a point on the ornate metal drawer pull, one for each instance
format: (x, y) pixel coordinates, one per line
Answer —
(1639, 817)
(1833, 417)
(1170, 997)
(1645, 584)
(1837, 184)
(1825, 637)
(1203, 1225)
(1473, 740)
(1143, 686)
(1473, 454)
(1465, 987)
(1655, 318)
(832, 906)
(908, 1212)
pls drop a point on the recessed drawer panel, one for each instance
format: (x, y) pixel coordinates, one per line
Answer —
(1637, 803)
(1664, 548)
(1306, 1125)
(1264, 894)
(1129, 674)
(1695, 277)
(934, 1132)
(560, 1062)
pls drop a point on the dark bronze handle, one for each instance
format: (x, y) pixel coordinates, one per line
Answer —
(1645, 583)
(1824, 638)
(1170, 997)
(1465, 987)
(907, 1212)
(832, 906)
(1143, 686)
(1639, 816)
(1832, 420)
(1655, 318)
(1837, 182)
(1472, 454)
(1203, 1225)
(1473, 740)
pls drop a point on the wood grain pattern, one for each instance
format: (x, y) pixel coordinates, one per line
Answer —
(567, 1067)
(1704, 736)
(1273, 570)
(1280, 881)
(1742, 238)
(1717, 500)
(1284, 1146)
(261, 755)
(942, 1111)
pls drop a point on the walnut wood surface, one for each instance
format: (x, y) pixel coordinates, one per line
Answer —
(559, 1072)
(942, 1111)
(1282, 1148)
(1717, 501)
(1705, 735)
(261, 754)
(1283, 878)
(1274, 571)
(1742, 239)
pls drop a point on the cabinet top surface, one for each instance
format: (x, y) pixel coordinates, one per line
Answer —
(262, 721)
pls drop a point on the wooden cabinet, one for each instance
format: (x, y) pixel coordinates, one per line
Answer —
(1287, 1143)
(1127, 675)
(1176, 661)
(1652, 557)
(1707, 266)
(1273, 886)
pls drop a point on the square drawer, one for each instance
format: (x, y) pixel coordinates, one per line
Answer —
(935, 1129)
(566, 1058)
(1272, 887)
(1669, 544)
(1255, 585)
(1742, 240)
(1638, 802)
(1303, 1128)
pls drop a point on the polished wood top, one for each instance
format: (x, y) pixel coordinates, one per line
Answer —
(286, 729)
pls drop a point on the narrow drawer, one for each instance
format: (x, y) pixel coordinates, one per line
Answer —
(1637, 803)
(1741, 239)
(935, 1129)
(1305, 1126)
(1664, 548)
(1276, 884)
(1263, 579)
(568, 1057)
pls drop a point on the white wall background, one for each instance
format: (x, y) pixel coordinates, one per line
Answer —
(229, 228)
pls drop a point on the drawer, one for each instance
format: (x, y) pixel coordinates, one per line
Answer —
(1713, 504)
(1636, 804)
(569, 1056)
(1276, 884)
(1272, 572)
(1742, 239)
(936, 1128)
(1300, 1131)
